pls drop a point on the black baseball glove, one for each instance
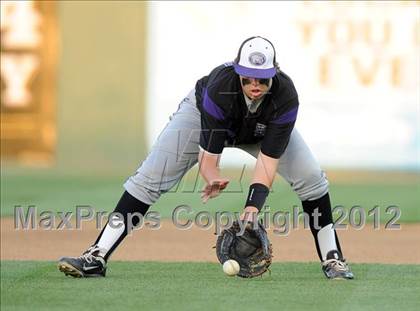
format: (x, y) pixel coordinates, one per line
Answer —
(252, 250)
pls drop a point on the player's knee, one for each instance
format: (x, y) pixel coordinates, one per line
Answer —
(159, 173)
(312, 185)
(142, 192)
(146, 186)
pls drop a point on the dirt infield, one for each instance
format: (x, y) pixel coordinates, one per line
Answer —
(171, 244)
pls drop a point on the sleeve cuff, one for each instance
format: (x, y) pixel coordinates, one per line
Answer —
(204, 150)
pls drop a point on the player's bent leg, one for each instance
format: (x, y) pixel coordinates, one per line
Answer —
(326, 239)
(92, 263)
(173, 154)
(301, 169)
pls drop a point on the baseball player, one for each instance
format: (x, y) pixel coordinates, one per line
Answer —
(249, 104)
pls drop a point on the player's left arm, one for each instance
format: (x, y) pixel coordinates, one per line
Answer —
(265, 170)
(264, 173)
(272, 147)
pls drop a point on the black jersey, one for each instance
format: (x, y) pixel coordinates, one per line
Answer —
(225, 115)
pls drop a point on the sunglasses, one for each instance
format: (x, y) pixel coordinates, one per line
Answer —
(246, 81)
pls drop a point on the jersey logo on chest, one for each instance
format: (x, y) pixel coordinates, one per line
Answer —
(259, 130)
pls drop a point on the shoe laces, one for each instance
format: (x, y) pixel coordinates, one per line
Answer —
(89, 255)
(336, 264)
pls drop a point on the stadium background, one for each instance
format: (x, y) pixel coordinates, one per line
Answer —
(107, 75)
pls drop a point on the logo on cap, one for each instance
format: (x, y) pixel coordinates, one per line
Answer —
(257, 58)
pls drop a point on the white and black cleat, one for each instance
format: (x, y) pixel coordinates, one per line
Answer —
(90, 264)
(335, 267)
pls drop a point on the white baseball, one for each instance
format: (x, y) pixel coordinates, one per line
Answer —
(231, 267)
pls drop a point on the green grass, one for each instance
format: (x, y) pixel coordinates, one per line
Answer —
(57, 192)
(203, 286)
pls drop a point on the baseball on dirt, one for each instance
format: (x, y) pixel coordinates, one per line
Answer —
(231, 267)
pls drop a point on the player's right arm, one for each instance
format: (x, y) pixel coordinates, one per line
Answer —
(212, 141)
(209, 170)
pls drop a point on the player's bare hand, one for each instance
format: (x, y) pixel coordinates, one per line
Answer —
(213, 189)
(250, 213)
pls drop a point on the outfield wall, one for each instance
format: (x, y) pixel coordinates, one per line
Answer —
(356, 67)
(123, 67)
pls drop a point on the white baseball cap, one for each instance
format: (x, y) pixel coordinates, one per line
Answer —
(256, 59)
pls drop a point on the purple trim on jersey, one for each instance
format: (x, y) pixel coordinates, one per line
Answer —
(288, 117)
(210, 106)
(254, 73)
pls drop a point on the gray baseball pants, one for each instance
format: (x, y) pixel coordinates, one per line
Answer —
(176, 151)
